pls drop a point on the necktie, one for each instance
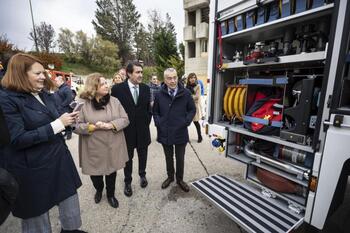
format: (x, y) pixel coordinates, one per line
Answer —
(172, 92)
(135, 94)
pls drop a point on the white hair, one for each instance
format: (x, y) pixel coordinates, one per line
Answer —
(167, 71)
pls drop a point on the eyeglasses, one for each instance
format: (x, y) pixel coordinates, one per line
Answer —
(171, 78)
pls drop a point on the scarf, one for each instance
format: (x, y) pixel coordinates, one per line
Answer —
(191, 87)
(102, 103)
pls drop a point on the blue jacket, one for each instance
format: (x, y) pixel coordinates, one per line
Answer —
(173, 116)
(64, 97)
(200, 82)
(38, 159)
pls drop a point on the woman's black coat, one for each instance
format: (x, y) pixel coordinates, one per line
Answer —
(38, 159)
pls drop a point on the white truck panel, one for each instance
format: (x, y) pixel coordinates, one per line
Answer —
(336, 152)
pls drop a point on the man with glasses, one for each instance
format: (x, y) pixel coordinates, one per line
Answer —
(173, 111)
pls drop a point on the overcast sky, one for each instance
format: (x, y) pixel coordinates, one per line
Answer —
(15, 18)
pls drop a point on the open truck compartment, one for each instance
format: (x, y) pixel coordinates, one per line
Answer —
(275, 69)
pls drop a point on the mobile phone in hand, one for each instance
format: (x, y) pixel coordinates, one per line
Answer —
(78, 107)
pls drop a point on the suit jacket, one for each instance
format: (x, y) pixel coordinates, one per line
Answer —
(137, 134)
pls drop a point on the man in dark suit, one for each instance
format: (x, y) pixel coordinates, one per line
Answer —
(135, 98)
(173, 112)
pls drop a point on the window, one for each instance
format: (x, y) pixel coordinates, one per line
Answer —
(191, 49)
(205, 15)
(204, 46)
(192, 18)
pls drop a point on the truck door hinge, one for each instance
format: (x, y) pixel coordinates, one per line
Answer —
(338, 120)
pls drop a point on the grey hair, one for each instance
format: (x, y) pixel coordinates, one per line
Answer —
(169, 70)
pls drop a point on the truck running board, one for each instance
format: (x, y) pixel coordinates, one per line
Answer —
(246, 206)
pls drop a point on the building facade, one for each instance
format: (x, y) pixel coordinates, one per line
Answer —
(196, 33)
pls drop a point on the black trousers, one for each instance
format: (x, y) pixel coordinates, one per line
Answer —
(180, 160)
(142, 154)
(97, 181)
(198, 128)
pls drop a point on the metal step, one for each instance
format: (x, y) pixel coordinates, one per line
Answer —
(246, 206)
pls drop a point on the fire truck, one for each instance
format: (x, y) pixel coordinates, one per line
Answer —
(279, 105)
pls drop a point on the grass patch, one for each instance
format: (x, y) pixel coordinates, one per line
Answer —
(81, 69)
(77, 68)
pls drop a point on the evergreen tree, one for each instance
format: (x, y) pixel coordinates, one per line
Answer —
(182, 50)
(142, 46)
(165, 47)
(117, 21)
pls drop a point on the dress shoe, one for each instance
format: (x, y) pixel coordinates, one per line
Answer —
(183, 186)
(113, 202)
(73, 231)
(98, 197)
(167, 182)
(200, 139)
(143, 182)
(128, 190)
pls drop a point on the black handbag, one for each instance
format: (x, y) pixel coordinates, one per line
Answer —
(5, 135)
(8, 193)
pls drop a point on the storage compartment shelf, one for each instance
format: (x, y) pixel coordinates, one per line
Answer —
(297, 58)
(300, 201)
(281, 173)
(274, 139)
(279, 24)
(241, 157)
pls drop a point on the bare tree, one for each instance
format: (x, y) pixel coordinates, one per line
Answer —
(45, 36)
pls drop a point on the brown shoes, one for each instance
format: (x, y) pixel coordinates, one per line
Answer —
(167, 182)
(183, 186)
(181, 183)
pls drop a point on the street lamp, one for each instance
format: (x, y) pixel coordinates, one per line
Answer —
(35, 38)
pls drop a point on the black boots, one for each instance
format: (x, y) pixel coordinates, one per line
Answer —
(198, 128)
(98, 197)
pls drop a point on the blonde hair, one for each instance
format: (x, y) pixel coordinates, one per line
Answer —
(16, 77)
(91, 85)
(117, 75)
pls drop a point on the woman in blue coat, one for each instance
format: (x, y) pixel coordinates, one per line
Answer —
(37, 155)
